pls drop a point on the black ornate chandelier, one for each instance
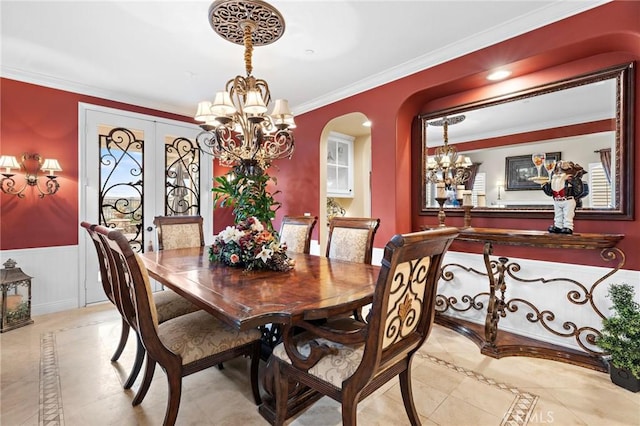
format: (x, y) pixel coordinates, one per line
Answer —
(237, 129)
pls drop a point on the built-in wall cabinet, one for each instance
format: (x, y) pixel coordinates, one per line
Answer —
(340, 165)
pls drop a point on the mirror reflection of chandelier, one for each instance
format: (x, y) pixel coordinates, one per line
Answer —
(237, 129)
(446, 165)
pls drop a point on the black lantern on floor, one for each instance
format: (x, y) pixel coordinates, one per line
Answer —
(16, 297)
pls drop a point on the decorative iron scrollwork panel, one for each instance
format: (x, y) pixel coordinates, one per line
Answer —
(121, 183)
(564, 322)
(182, 180)
(462, 303)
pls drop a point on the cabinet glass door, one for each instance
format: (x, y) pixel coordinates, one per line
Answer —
(339, 165)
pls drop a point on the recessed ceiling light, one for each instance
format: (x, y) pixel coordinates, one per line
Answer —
(498, 75)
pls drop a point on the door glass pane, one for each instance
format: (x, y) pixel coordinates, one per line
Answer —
(121, 181)
(182, 177)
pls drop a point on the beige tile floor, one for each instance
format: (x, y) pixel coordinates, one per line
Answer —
(57, 372)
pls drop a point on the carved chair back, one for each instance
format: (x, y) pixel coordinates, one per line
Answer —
(403, 307)
(347, 359)
(181, 345)
(103, 265)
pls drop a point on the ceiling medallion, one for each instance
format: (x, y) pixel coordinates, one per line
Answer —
(237, 129)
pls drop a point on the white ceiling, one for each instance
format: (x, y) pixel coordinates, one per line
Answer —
(164, 54)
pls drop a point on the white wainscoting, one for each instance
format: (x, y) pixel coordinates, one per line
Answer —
(54, 286)
(551, 296)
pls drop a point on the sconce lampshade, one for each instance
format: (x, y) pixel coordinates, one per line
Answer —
(52, 165)
(9, 162)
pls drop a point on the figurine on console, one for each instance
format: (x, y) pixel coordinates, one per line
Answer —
(566, 187)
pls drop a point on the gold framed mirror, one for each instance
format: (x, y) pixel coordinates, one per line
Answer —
(587, 119)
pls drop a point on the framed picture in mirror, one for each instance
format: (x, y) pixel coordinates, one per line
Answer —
(528, 172)
(586, 114)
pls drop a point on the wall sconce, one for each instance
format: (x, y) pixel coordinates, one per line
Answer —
(31, 165)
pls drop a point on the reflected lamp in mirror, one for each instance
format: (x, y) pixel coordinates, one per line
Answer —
(30, 165)
(447, 165)
(588, 118)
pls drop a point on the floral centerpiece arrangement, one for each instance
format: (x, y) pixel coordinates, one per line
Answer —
(248, 244)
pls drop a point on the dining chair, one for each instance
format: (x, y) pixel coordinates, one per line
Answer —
(296, 232)
(351, 238)
(168, 304)
(179, 231)
(182, 345)
(176, 232)
(346, 359)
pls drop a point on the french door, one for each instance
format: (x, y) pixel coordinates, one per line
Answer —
(135, 167)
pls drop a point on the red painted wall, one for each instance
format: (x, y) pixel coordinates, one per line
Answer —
(40, 120)
(607, 35)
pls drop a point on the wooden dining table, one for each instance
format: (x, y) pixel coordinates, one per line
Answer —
(314, 289)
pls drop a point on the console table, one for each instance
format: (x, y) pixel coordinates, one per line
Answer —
(498, 343)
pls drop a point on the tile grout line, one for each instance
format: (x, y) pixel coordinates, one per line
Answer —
(50, 406)
(50, 411)
(522, 406)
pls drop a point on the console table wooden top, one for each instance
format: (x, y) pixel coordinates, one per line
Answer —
(520, 237)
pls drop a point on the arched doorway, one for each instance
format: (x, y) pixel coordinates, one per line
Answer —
(355, 202)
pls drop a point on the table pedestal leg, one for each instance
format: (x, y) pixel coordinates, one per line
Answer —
(300, 397)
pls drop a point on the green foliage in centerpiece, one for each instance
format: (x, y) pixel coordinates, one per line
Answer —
(248, 195)
(250, 245)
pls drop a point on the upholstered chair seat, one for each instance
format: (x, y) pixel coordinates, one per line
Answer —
(333, 368)
(167, 303)
(170, 305)
(347, 359)
(182, 345)
(198, 335)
